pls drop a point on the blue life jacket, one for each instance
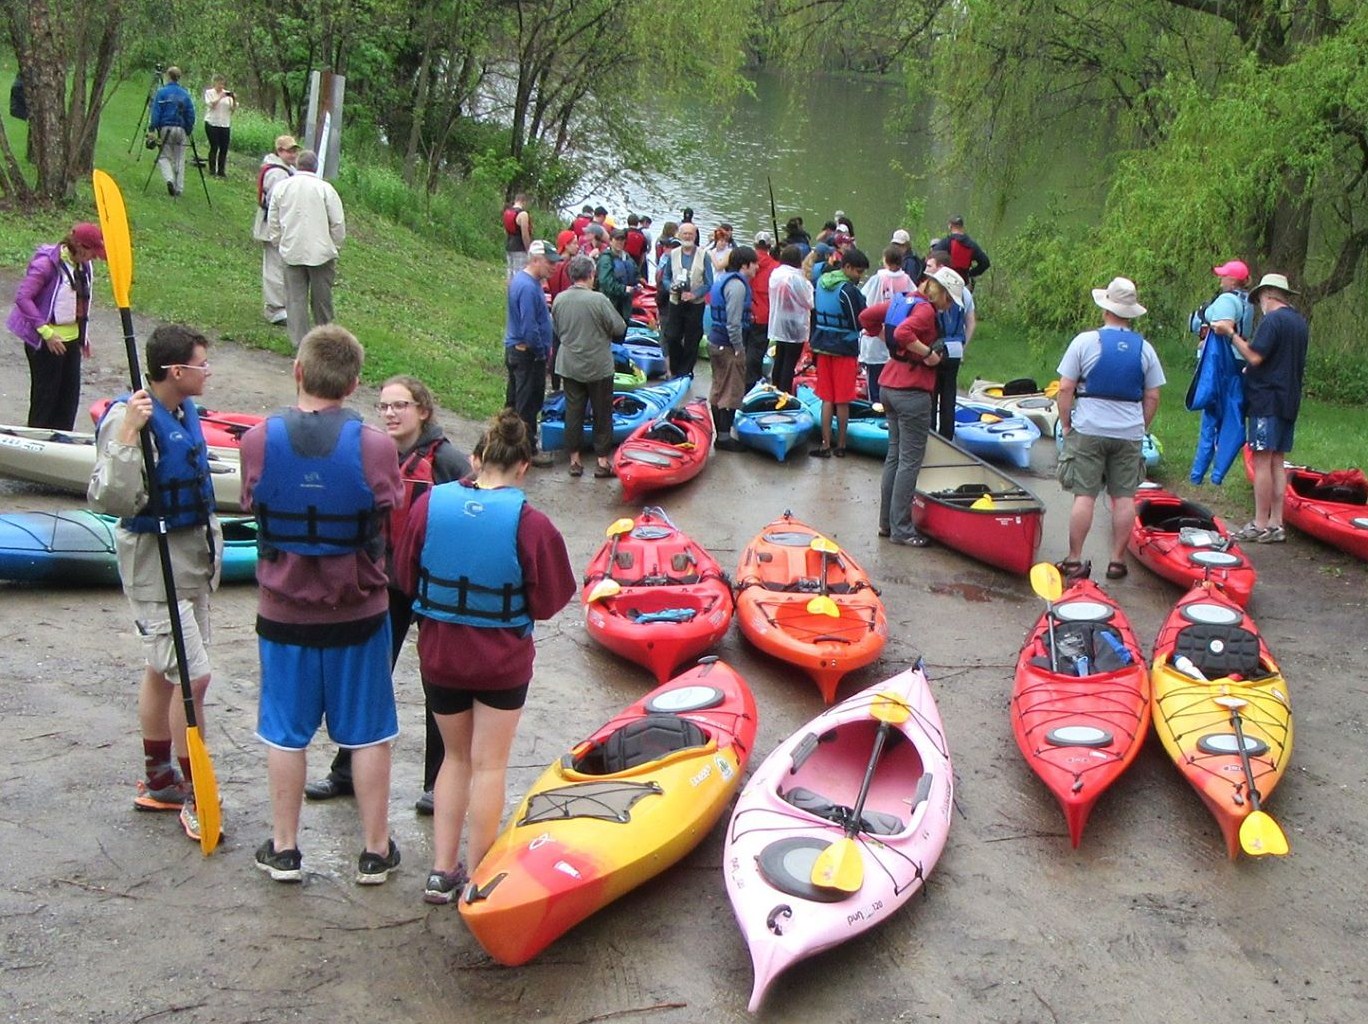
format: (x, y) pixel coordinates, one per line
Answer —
(833, 333)
(951, 323)
(899, 309)
(318, 503)
(469, 572)
(627, 272)
(185, 490)
(717, 327)
(1119, 373)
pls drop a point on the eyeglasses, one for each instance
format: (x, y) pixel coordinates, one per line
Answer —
(384, 407)
(190, 366)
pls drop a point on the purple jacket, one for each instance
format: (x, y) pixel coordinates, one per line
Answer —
(37, 293)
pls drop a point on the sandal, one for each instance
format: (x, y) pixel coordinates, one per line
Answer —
(839, 452)
(820, 453)
(576, 469)
(1116, 570)
(602, 472)
(1073, 571)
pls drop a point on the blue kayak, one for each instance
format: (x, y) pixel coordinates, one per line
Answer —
(992, 432)
(76, 548)
(630, 410)
(866, 430)
(772, 421)
(1150, 448)
(644, 347)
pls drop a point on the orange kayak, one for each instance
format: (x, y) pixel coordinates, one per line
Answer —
(816, 610)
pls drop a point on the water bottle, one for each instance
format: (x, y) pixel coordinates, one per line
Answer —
(1184, 665)
(1082, 666)
(1121, 650)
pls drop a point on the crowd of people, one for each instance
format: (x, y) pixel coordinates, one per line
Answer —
(410, 528)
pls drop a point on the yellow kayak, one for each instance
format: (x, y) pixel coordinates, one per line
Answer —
(1200, 721)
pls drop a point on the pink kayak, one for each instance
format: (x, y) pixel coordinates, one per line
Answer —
(799, 802)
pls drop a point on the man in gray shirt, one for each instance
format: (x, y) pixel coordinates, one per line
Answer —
(1108, 395)
(586, 322)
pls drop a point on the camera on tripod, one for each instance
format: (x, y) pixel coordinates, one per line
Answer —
(151, 141)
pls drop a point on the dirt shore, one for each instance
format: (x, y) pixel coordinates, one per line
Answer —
(112, 916)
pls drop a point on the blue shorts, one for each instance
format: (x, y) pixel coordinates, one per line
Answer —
(351, 686)
(1270, 434)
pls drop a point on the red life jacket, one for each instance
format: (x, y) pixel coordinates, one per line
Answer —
(510, 220)
(636, 243)
(961, 257)
(417, 475)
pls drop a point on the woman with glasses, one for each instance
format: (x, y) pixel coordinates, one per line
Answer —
(426, 458)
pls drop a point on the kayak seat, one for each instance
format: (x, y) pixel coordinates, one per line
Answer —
(1340, 494)
(667, 433)
(640, 742)
(875, 823)
(1166, 516)
(1220, 650)
(1020, 386)
(1085, 639)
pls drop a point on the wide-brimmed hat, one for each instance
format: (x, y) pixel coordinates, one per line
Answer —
(1237, 269)
(1278, 281)
(1119, 297)
(951, 282)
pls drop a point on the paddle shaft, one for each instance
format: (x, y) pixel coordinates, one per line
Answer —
(1050, 622)
(1238, 723)
(853, 826)
(774, 213)
(163, 541)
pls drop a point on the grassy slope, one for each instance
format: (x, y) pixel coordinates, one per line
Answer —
(418, 307)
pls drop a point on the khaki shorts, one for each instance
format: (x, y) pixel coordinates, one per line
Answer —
(154, 626)
(1088, 462)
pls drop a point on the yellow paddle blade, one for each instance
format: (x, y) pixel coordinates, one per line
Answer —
(1046, 581)
(840, 866)
(604, 588)
(826, 547)
(620, 526)
(118, 245)
(986, 502)
(891, 708)
(1261, 836)
(1052, 389)
(206, 791)
(989, 417)
(823, 605)
(781, 401)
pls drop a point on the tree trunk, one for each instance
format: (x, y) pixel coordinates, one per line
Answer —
(1287, 232)
(13, 184)
(43, 61)
(420, 101)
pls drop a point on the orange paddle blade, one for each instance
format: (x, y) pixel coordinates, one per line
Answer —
(109, 202)
(206, 791)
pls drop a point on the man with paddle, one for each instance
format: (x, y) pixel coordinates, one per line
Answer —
(177, 369)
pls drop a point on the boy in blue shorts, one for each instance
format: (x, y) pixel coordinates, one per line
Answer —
(321, 484)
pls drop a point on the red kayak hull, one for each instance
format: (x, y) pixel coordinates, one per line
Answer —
(221, 429)
(1156, 543)
(665, 453)
(1310, 507)
(1079, 733)
(668, 580)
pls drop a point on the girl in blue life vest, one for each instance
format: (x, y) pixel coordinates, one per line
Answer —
(483, 566)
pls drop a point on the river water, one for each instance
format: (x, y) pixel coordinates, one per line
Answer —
(828, 143)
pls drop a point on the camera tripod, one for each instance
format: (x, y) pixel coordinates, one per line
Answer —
(195, 158)
(138, 129)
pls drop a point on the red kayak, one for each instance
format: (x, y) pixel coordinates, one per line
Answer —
(221, 429)
(1330, 506)
(665, 452)
(653, 596)
(1081, 724)
(1185, 543)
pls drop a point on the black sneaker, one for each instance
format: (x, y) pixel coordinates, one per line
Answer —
(328, 787)
(373, 868)
(444, 886)
(281, 865)
(424, 805)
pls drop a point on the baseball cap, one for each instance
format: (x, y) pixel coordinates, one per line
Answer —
(764, 238)
(89, 236)
(620, 233)
(286, 142)
(841, 239)
(544, 249)
(1232, 268)
(901, 237)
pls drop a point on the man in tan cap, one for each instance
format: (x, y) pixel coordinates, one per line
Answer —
(276, 166)
(1108, 394)
(1275, 367)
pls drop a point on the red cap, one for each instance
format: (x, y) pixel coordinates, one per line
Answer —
(1232, 268)
(563, 239)
(89, 236)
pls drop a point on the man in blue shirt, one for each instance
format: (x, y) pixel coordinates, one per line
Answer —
(173, 118)
(527, 340)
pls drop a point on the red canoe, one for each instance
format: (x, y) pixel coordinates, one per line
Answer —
(654, 596)
(1080, 732)
(1330, 506)
(666, 451)
(977, 509)
(1185, 543)
(221, 429)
